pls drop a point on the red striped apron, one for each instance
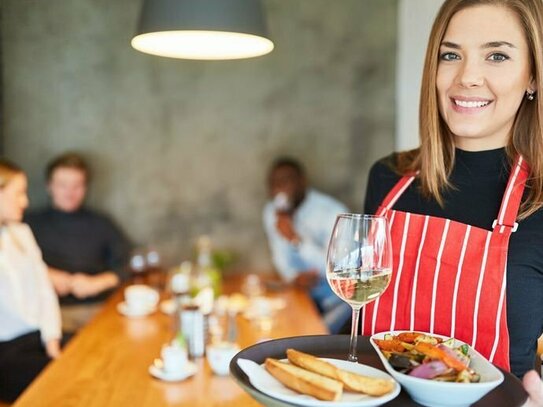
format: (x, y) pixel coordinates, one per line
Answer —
(449, 278)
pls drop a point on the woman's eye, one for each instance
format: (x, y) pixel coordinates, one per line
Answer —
(449, 56)
(498, 57)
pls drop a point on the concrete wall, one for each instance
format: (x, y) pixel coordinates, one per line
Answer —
(180, 148)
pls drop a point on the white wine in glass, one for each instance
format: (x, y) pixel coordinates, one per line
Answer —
(359, 263)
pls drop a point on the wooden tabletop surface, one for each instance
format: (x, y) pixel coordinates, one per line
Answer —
(106, 364)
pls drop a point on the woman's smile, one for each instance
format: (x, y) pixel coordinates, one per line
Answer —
(469, 105)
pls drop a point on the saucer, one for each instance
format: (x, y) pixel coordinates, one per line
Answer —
(158, 373)
(125, 310)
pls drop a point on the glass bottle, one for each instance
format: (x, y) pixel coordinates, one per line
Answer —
(209, 274)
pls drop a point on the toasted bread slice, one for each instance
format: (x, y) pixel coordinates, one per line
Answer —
(351, 381)
(305, 382)
(363, 384)
(311, 363)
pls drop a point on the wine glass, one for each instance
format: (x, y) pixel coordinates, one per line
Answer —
(359, 263)
(138, 265)
(155, 271)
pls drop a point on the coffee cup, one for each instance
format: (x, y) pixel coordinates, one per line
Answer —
(219, 356)
(174, 358)
(140, 297)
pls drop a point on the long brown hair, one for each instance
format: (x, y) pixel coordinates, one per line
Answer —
(435, 156)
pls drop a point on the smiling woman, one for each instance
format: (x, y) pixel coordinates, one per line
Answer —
(482, 79)
(29, 310)
(436, 154)
(13, 198)
(465, 207)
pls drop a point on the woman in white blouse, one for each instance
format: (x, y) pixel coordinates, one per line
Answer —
(30, 329)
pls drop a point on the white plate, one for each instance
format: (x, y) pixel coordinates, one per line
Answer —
(125, 310)
(189, 370)
(445, 394)
(267, 384)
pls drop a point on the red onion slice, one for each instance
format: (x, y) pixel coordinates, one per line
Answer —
(429, 370)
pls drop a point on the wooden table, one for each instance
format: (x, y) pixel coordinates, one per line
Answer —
(106, 364)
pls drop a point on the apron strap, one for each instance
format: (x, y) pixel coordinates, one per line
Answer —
(512, 197)
(395, 193)
(510, 203)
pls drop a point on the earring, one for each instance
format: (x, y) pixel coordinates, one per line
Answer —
(530, 95)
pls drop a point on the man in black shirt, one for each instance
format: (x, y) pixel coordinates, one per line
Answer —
(84, 250)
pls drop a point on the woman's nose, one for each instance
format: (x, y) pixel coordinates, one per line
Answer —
(24, 202)
(470, 74)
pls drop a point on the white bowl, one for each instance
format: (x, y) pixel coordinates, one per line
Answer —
(445, 394)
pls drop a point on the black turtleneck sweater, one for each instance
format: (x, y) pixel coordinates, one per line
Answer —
(480, 179)
(79, 242)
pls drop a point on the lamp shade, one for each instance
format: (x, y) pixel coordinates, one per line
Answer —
(202, 29)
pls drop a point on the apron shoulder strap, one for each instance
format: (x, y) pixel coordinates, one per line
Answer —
(395, 193)
(512, 197)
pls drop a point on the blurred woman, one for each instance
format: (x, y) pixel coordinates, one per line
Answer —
(30, 328)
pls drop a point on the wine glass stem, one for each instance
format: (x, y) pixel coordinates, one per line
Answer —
(354, 335)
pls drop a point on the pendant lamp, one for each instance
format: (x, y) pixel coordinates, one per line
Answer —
(202, 29)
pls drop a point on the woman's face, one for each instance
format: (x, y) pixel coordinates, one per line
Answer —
(13, 199)
(483, 75)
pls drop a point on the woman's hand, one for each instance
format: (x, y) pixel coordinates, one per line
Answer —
(534, 387)
(52, 348)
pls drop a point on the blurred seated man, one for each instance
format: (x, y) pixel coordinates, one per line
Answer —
(298, 222)
(85, 252)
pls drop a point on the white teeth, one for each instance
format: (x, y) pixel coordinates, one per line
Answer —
(465, 103)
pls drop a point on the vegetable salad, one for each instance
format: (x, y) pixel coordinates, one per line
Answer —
(428, 357)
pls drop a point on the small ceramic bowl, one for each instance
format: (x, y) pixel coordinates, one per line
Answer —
(445, 394)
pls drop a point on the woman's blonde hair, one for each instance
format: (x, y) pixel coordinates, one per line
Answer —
(8, 170)
(435, 156)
